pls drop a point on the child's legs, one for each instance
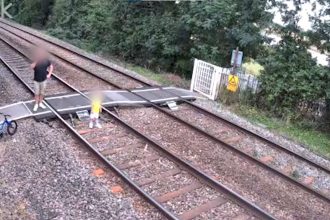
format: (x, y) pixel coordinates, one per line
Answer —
(94, 117)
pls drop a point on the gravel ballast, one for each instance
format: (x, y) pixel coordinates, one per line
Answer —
(10, 94)
(222, 111)
(43, 177)
(272, 193)
(21, 65)
(110, 63)
(104, 72)
(138, 206)
(133, 154)
(290, 165)
(64, 70)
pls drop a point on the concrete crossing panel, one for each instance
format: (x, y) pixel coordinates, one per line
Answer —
(16, 111)
(71, 103)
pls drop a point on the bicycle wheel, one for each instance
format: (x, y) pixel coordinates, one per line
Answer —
(12, 128)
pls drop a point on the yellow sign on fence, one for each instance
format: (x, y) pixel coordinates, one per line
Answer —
(233, 83)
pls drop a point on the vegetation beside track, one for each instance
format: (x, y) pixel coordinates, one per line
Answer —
(164, 37)
(166, 79)
(167, 36)
(303, 132)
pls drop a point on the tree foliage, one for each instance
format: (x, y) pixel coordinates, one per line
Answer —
(32, 12)
(167, 36)
(164, 35)
(291, 76)
(320, 36)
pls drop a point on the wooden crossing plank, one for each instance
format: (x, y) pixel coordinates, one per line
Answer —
(145, 181)
(85, 130)
(233, 140)
(99, 139)
(171, 195)
(137, 163)
(112, 151)
(222, 129)
(202, 208)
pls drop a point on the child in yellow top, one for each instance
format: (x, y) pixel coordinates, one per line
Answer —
(96, 109)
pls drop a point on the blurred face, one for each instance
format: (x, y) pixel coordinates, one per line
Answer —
(40, 54)
(97, 95)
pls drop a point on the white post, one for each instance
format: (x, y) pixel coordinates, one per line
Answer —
(216, 84)
(193, 79)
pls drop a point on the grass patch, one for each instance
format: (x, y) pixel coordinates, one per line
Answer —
(158, 77)
(165, 79)
(316, 141)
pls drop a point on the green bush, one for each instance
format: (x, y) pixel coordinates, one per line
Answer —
(290, 77)
(163, 35)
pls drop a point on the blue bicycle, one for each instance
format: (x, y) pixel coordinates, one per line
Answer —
(7, 126)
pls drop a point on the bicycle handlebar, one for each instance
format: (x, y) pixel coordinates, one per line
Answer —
(5, 115)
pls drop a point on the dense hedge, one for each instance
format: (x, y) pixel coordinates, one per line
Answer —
(161, 35)
(167, 36)
(291, 76)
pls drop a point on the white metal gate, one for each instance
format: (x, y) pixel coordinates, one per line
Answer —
(204, 79)
(207, 79)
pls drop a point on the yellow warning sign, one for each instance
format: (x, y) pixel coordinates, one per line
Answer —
(233, 83)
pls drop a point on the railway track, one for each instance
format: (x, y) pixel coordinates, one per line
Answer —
(235, 143)
(143, 157)
(189, 103)
(240, 134)
(22, 66)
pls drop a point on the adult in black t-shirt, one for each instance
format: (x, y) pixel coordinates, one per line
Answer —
(43, 70)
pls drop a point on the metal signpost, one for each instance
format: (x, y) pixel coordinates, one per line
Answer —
(236, 61)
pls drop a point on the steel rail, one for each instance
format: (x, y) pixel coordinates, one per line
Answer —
(205, 133)
(130, 182)
(201, 175)
(241, 153)
(195, 171)
(77, 53)
(249, 132)
(199, 108)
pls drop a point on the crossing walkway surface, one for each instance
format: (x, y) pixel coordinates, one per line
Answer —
(73, 102)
